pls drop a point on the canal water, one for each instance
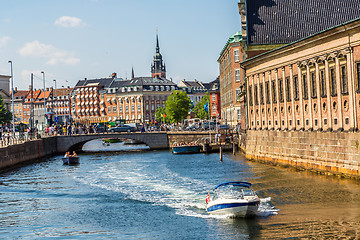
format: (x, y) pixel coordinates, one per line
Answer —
(158, 195)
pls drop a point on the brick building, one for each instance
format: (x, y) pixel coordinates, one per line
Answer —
(231, 80)
(215, 103)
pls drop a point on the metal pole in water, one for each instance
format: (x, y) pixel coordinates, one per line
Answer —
(233, 143)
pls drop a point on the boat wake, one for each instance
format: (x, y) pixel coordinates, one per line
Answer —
(159, 186)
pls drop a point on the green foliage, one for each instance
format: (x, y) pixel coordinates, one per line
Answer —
(199, 108)
(5, 115)
(177, 106)
(159, 114)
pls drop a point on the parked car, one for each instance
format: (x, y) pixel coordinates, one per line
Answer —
(209, 125)
(123, 128)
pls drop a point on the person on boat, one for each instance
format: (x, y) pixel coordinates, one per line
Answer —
(67, 154)
(74, 154)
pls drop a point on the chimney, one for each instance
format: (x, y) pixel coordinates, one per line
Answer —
(47, 89)
(171, 79)
(15, 89)
(113, 75)
(29, 87)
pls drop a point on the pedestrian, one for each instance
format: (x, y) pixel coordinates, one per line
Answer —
(7, 136)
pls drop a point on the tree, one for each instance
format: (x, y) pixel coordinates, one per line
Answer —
(160, 114)
(177, 106)
(199, 109)
(5, 115)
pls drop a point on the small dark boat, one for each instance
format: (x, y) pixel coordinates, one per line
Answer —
(70, 160)
(186, 149)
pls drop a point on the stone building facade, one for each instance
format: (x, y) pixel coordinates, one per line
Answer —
(312, 84)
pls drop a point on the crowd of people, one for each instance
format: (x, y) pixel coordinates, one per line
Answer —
(194, 143)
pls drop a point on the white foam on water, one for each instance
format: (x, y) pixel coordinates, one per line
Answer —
(160, 187)
(266, 208)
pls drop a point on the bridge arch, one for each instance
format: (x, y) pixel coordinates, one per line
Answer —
(76, 142)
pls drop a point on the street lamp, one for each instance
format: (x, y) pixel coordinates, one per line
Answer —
(55, 103)
(12, 97)
(44, 99)
(63, 87)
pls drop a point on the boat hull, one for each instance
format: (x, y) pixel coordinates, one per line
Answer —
(235, 208)
(186, 149)
(70, 160)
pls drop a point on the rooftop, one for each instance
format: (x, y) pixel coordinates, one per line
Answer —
(285, 21)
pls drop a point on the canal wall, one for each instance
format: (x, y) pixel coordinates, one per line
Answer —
(329, 152)
(31, 151)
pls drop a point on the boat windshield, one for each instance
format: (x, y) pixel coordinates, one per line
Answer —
(229, 192)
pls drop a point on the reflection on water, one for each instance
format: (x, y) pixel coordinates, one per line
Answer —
(99, 146)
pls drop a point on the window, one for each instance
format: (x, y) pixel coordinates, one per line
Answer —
(237, 75)
(237, 94)
(132, 108)
(323, 83)
(273, 91)
(305, 88)
(126, 108)
(109, 109)
(139, 108)
(281, 93)
(114, 109)
(238, 114)
(358, 76)
(267, 93)
(250, 96)
(236, 55)
(256, 95)
(288, 93)
(296, 87)
(333, 82)
(121, 109)
(313, 85)
(261, 94)
(213, 97)
(344, 85)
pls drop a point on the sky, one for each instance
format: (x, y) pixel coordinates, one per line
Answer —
(70, 40)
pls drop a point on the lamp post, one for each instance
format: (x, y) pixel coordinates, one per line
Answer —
(55, 103)
(12, 97)
(64, 102)
(44, 99)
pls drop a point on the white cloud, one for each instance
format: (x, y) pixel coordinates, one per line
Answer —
(55, 55)
(4, 41)
(67, 21)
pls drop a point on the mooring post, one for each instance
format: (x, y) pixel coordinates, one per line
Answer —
(221, 154)
(234, 147)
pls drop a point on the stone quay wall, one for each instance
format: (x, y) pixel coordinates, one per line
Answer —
(27, 152)
(329, 152)
(187, 136)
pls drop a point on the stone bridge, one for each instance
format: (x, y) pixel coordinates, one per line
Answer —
(34, 150)
(155, 140)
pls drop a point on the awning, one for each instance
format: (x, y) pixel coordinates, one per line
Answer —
(82, 110)
(102, 109)
(78, 103)
(78, 110)
(87, 110)
(113, 99)
(91, 102)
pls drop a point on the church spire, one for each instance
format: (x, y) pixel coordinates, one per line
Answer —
(158, 67)
(157, 44)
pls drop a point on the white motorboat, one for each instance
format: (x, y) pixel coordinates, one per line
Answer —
(235, 199)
